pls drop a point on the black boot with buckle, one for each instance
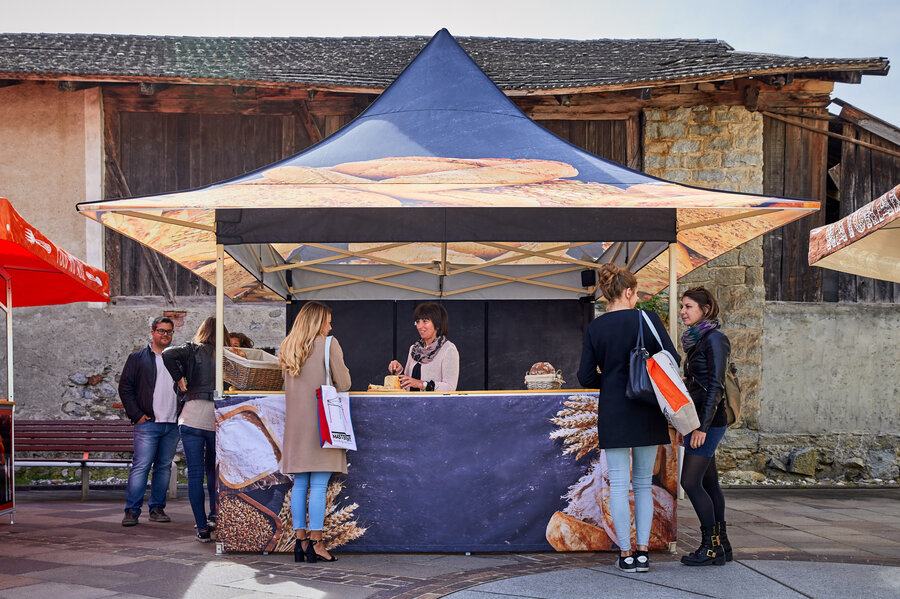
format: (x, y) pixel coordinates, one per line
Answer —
(709, 553)
(722, 532)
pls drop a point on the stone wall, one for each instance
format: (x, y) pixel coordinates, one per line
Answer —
(820, 401)
(68, 358)
(720, 147)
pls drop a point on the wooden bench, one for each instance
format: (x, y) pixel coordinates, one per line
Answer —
(86, 438)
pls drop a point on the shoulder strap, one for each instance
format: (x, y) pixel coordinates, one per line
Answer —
(652, 329)
(327, 355)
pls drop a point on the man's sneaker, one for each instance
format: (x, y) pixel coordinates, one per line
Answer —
(642, 561)
(131, 518)
(203, 536)
(626, 563)
(158, 515)
(211, 521)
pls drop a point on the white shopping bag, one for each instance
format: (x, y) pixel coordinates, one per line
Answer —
(335, 425)
(674, 400)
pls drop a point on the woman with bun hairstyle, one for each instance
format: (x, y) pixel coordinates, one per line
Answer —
(706, 357)
(302, 358)
(628, 431)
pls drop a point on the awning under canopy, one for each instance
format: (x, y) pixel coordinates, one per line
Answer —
(866, 242)
(441, 188)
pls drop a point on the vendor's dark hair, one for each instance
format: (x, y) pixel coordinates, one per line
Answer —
(436, 313)
(161, 319)
(243, 339)
(613, 281)
(705, 299)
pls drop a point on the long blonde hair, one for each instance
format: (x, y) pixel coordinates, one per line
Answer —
(296, 347)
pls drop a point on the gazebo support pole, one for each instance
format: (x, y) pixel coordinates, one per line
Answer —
(220, 317)
(673, 332)
(10, 386)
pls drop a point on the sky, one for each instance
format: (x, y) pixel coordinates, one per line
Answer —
(824, 28)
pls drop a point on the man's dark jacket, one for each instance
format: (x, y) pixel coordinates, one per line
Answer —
(137, 383)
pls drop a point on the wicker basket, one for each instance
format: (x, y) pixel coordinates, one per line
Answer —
(544, 381)
(258, 371)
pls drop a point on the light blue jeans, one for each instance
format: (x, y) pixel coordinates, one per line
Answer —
(635, 463)
(154, 446)
(317, 485)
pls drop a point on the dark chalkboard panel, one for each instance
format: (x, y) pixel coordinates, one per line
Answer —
(498, 340)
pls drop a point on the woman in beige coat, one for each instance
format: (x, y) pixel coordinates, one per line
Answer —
(302, 357)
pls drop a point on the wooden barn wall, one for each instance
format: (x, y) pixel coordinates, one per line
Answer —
(178, 141)
(795, 164)
(865, 174)
(187, 137)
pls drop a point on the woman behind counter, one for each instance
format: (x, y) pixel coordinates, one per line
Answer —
(706, 356)
(433, 361)
(628, 431)
(302, 357)
(193, 366)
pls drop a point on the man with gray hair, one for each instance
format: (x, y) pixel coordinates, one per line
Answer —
(148, 393)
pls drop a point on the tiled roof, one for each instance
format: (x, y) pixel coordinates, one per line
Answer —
(374, 62)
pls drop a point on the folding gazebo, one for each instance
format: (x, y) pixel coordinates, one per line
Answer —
(442, 188)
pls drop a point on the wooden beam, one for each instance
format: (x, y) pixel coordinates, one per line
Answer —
(834, 135)
(309, 123)
(145, 88)
(75, 86)
(158, 273)
(870, 123)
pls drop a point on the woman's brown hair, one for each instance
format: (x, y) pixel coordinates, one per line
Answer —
(436, 313)
(613, 281)
(206, 333)
(705, 299)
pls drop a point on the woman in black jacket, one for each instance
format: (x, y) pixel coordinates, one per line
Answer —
(193, 368)
(628, 431)
(706, 356)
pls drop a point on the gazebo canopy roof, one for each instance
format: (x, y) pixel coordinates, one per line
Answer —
(442, 188)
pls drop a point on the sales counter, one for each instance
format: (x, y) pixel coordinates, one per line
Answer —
(435, 472)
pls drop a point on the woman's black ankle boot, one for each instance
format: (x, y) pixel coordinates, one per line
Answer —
(709, 553)
(722, 532)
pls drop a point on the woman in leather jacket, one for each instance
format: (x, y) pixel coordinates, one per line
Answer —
(193, 368)
(706, 355)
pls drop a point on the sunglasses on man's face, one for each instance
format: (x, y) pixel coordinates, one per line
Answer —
(165, 331)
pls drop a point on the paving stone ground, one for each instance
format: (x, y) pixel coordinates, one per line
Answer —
(788, 543)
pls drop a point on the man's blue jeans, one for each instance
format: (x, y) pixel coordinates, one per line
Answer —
(200, 455)
(154, 446)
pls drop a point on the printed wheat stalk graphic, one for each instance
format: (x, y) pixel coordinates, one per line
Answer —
(339, 528)
(577, 425)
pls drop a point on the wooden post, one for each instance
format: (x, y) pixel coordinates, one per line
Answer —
(220, 317)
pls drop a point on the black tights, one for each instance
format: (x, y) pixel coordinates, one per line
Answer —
(700, 480)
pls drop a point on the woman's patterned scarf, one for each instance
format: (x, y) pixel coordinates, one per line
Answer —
(423, 354)
(690, 337)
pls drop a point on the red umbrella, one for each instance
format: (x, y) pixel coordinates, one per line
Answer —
(39, 272)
